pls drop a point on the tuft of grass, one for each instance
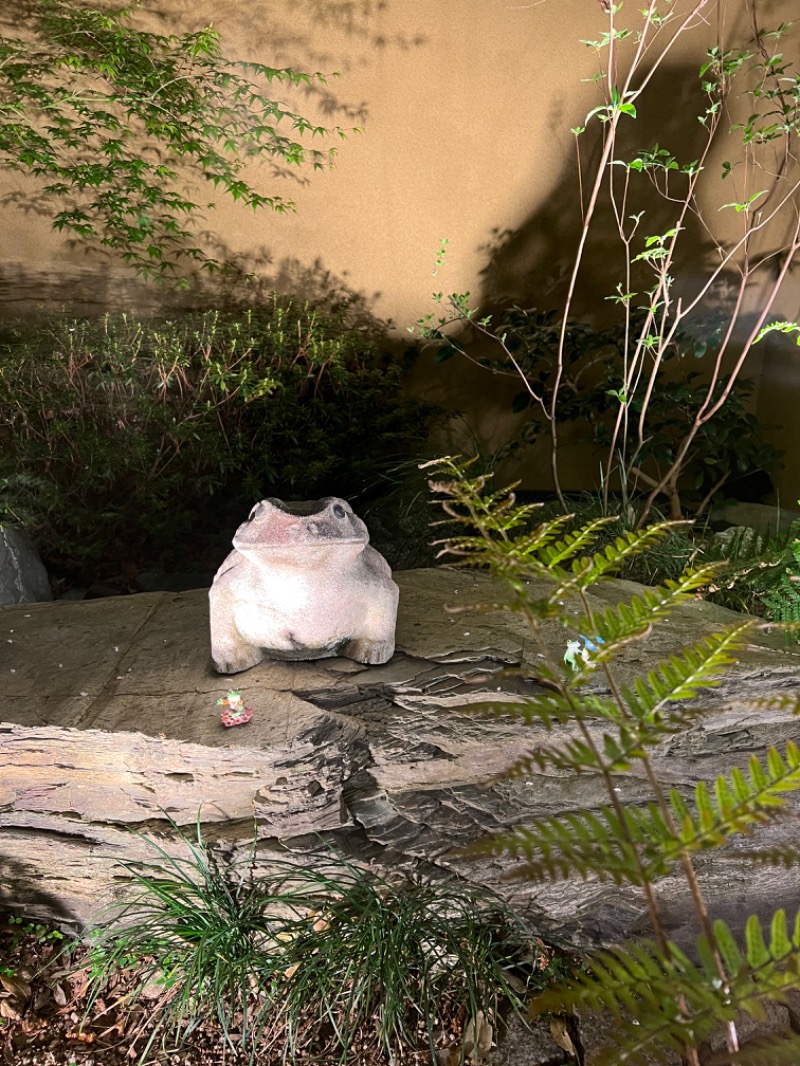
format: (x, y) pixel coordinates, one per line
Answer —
(192, 933)
(309, 962)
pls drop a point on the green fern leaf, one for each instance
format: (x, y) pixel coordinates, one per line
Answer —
(586, 571)
(550, 709)
(784, 702)
(533, 543)
(639, 982)
(613, 755)
(739, 784)
(705, 812)
(728, 948)
(782, 604)
(634, 618)
(775, 1049)
(724, 797)
(764, 970)
(736, 806)
(758, 778)
(641, 987)
(708, 960)
(756, 948)
(679, 807)
(683, 676)
(613, 556)
(555, 554)
(780, 945)
(786, 855)
(601, 843)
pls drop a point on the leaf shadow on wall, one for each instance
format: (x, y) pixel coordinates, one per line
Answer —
(330, 36)
(352, 36)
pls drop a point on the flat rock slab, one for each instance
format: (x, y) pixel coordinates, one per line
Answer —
(110, 723)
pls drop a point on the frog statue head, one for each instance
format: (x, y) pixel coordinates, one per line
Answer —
(285, 529)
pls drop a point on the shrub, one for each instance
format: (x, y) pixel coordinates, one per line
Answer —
(726, 448)
(143, 431)
(647, 227)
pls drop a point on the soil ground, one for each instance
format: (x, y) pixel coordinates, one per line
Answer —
(46, 1018)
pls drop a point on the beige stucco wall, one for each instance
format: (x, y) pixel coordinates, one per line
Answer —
(466, 107)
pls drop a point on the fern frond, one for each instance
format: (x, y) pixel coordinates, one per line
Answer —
(738, 802)
(520, 559)
(612, 557)
(572, 755)
(775, 1049)
(551, 709)
(783, 702)
(539, 543)
(762, 970)
(633, 619)
(466, 501)
(555, 555)
(783, 603)
(786, 855)
(649, 731)
(682, 676)
(637, 981)
(607, 754)
(600, 843)
(597, 843)
(498, 549)
(642, 988)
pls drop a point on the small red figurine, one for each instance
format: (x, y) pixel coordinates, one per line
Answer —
(235, 712)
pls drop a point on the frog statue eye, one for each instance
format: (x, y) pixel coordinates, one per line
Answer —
(338, 510)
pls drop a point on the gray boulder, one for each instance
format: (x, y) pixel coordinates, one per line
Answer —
(23, 578)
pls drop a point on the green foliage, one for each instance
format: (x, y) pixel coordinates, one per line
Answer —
(640, 987)
(782, 603)
(124, 126)
(303, 961)
(758, 572)
(123, 435)
(584, 391)
(660, 997)
(22, 927)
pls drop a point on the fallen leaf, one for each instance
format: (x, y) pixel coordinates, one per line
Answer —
(560, 1033)
(478, 1034)
(83, 1038)
(79, 984)
(14, 984)
(7, 1011)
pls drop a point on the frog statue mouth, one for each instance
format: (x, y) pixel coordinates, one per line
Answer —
(303, 508)
(301, 523)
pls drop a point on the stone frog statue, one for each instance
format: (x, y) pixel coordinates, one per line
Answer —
(302, 582)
